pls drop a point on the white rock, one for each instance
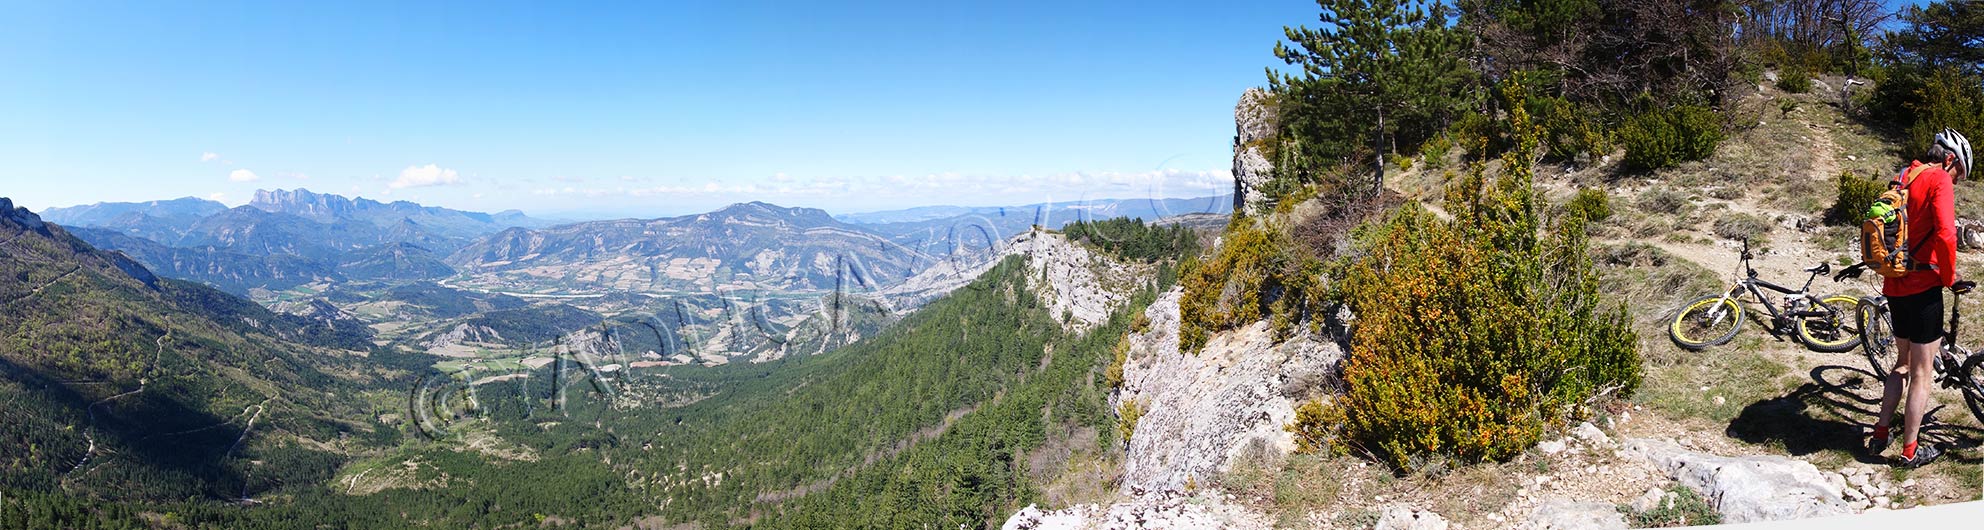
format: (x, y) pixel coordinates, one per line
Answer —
(1747, 489)
(1199, 418)
(1403, 518)
(1590, 433)
(1566, 514)
(1550, 447)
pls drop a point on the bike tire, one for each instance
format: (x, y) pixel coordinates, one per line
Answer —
(1693, 326)
(1971, 382)
(1876, 335)
(1837, 332)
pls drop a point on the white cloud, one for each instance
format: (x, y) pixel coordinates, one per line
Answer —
(217, 197)
(242, 175)
(209, 156)
(428, 175)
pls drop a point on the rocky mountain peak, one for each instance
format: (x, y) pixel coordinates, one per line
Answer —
(20, 217)
(763, 211)
(301, 202)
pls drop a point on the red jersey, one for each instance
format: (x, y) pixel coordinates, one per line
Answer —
(1931, 233)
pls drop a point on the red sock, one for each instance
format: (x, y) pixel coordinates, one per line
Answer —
(1908, 451)
(1880, 432)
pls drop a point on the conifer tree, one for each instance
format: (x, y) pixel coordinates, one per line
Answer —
(1385, 72)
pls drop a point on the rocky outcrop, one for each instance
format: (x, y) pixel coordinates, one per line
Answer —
(448, 344)
(1227, 403)
(1158, 510)
(1748, 489)
(21, 218)
(1079, 286)
(1254, 125)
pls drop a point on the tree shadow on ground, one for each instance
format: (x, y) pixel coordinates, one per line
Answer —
(1828, 414)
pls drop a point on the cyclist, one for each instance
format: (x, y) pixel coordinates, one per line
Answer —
(1916, 299)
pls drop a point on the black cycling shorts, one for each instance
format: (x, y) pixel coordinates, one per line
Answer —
(1917, 318)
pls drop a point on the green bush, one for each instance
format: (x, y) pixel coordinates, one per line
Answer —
(1314, 423)
(1569, 129)
(1254, 274)
(1794, 80)
(1402, 162)
(1592, 204)
(1854, 196)
(1948, 99)
(1684, 507)
(1435, 150)
(1667, 137)
(1119, 355)
(1127, 416)
(1473, 334)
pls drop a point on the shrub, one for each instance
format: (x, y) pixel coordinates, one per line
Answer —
(1402, 162)
(1473, 334)
(1590, 203)
(1794, 80)
(1254, 275)
(1854, 196)
(1113, 376)
(1435, 150)
(1314, 423)
(1948, 99)
(1569, 130)
(1739, 226)
(1667, 137)
(1682, 507)
(1127, 416)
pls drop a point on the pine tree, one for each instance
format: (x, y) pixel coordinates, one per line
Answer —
(1395, 68)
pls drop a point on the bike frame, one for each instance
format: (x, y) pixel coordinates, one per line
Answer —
(1750, 283)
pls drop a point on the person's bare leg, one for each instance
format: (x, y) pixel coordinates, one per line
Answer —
(1892, 387)
(1921, 370)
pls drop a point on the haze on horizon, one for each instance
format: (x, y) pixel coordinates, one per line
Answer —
(629, 110)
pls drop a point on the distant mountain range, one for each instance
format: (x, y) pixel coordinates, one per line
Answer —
(743, 246)
(289, 238)
(956, 229)
(285, 238)
(1053, 214)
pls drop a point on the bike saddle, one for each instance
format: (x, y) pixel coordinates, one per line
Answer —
(1963, 286)
(1822, 268)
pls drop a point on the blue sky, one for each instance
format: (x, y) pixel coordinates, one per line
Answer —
(635, 109)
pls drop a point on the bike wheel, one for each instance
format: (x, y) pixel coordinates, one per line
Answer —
(1971, 382)
(1707, 321)
(1837, 331)
(1876, 336)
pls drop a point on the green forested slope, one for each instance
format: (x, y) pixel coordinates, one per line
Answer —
(119, 384)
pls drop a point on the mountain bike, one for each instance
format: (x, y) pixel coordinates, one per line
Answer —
(1822, 324)
(1956, 367)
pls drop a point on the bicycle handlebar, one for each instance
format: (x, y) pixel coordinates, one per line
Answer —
(1852, 272)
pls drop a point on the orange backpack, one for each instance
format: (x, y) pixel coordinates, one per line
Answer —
(1884, 235)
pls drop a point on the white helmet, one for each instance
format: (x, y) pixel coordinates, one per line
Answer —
(1956, 143)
